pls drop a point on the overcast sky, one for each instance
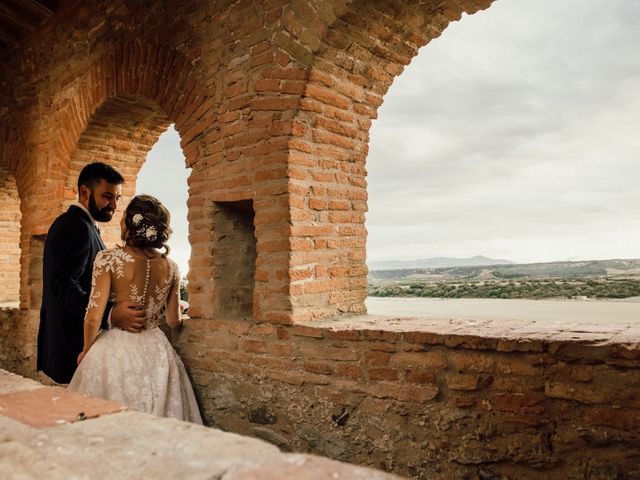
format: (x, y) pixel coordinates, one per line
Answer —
(514, 135)
(164, 176)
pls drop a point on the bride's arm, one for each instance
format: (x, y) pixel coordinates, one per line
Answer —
(173, 301)
(98, 299)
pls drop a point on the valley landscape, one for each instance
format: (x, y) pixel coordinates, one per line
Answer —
(487, 278)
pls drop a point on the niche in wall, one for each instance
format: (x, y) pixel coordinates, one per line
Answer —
(36, 255)
(234, 259)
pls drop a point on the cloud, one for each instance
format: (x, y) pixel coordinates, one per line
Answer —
(514, 132)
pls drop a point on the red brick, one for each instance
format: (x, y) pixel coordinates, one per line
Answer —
(377, 359)
(282, 333)
(274, 103)
(302, 331)
(519, 403)
(620, 419)
(353, 372)
(382, 374)
(327, 96)
(318, 367)
(280, 349)
(266, 85)
(432, 359)
(254, 346)
(420, 376)
(462, 382)
(337, 127)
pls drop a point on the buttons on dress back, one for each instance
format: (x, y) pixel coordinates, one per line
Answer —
(146, 281)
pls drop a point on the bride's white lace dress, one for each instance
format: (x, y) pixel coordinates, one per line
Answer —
(141, 370)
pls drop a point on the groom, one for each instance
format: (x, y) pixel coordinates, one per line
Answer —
(72, 243)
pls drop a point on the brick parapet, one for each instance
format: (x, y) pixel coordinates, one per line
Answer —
(532, 405)
(445, 401)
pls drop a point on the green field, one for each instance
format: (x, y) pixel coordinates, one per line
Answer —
(594, 279)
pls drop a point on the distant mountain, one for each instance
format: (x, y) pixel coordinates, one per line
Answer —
(618, 268)
(437, 262)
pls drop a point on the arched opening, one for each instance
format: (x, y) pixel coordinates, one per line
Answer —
(166, 161)
(126, 132)
(115, 118)
(516, 145)
(233, 233)
(121, 133)
(367, 45)
(133, 134)
(10, 218)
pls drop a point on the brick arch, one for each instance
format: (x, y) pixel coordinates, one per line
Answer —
(121, 133)
(130, 68)
(141, 76)
(361, 52)
(10, 223)
(14, 209)
(125, 101)
(115, 112)
(135, 69)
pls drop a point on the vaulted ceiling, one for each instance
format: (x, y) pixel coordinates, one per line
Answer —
(19, 18)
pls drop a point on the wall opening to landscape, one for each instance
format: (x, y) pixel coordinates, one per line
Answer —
(10, 220)
(164, 176)
(513, 147)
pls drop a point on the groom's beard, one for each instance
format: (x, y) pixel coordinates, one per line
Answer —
(99, 215)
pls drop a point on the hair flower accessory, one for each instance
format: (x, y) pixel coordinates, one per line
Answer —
(137, 218)
(151, 233)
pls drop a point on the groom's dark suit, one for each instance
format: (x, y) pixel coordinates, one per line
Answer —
(72, 244)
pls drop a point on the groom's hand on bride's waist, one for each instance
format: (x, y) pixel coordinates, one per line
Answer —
(128, 316)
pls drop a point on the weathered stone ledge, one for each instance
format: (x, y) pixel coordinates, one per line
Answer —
(573, 338)
(133, 445)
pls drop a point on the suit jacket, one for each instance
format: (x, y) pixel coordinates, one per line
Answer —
(70, 248)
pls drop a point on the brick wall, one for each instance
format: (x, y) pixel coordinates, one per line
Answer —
(423, 403)
(273, 101)
(17, 349)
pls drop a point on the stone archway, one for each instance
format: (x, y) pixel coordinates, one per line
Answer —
(366, 46)
(116, 112)
(120, 133)
(10, 221)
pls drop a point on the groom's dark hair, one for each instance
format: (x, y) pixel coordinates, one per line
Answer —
(92, 173)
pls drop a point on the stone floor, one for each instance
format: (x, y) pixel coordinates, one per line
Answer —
(49, 433)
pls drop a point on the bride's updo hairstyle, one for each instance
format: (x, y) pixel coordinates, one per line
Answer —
(147, 223)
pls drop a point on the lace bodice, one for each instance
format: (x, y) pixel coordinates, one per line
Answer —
(120, 276)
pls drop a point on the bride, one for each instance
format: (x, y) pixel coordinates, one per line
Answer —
(138, 369)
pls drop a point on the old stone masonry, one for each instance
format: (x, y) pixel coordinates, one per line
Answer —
(273, 101)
